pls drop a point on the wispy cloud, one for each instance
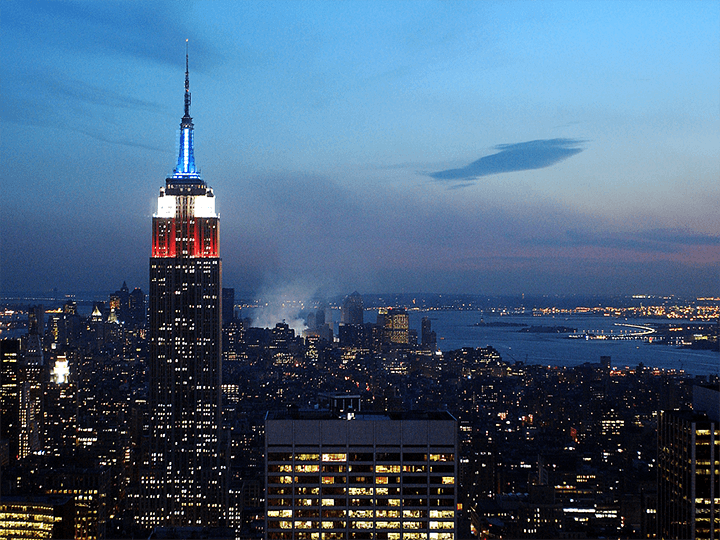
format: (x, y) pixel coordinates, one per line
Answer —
(649, 241)
(152, 30)
(514, 157)
(51, 98)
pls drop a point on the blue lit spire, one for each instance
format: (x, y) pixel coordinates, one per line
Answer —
(186, 169)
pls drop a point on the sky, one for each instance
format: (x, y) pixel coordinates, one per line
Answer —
(452, 147)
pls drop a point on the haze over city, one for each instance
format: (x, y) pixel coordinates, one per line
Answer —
(494, 147)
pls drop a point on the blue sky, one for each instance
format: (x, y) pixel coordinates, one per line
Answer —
(481, 147)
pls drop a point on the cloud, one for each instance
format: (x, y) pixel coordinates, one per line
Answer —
(44, 92)
(648, 241)
(514, 157)
(681, 237)
(152, 30)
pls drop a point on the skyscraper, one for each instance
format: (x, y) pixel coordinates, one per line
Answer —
(10, 394)
(361, 476)
(688, 479)
(395, 323)
(352, 309)
(427, 335)
(183, 482)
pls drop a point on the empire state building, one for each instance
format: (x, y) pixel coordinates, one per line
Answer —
(183, 481)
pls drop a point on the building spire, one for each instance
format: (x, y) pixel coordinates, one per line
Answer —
(187, 84)
(186, 169)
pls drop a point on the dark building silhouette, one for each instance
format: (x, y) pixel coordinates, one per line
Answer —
(36, 320)
(688, 479)
(351, 330)
(352, 309)
(137, 307)
(183, 482)
(89, 487)
(428, 338)
(120, 303)
(10, 394)
(228, 305)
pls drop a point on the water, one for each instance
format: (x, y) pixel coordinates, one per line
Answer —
(455, 330)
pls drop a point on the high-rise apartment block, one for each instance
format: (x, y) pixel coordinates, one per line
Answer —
(361, 476)
(182, 484)
(688, 503)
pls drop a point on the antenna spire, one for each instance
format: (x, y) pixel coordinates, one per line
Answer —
(186, 171)
(187, 82)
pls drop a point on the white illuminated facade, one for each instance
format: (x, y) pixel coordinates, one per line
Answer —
(203, 205)
(61, 371)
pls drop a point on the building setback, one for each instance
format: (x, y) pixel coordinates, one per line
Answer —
(361, 476)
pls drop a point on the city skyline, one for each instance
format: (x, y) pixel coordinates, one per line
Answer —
(496, 148)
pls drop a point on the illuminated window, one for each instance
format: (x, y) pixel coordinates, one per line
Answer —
(442, 525)
(334, 457)
(442, 514)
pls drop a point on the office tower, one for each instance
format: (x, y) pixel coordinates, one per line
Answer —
(36, 329)
(120, 303)
(323, 322)
(36, 320)
(233, 333)
(30, 378)
(70, 307)
(38, 517)
(182, 485)
(352, 309)
(320, 316)
(137, 307)
(351, 330)
(10, 394)
(395, 323)
(361, 476)
(228, 305)
(60, 410)
(428, 338)
(89, 487)
(688, 478)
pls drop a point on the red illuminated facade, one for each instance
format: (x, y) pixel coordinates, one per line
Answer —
(185, 234)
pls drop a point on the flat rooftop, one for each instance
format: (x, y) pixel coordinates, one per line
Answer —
(324, 414)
